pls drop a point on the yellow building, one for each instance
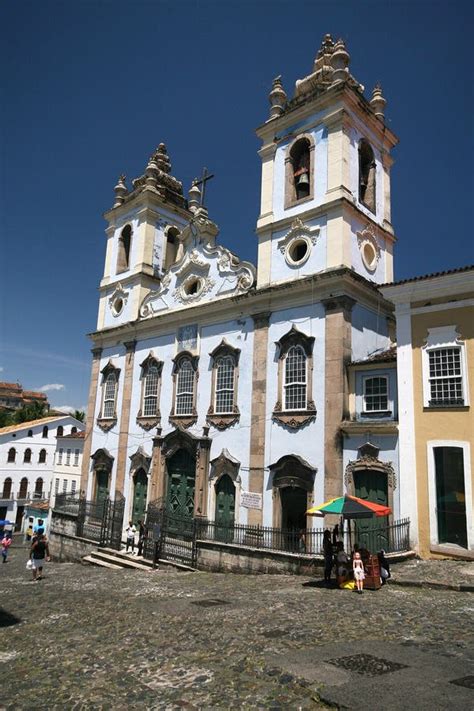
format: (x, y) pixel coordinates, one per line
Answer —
(435, 365)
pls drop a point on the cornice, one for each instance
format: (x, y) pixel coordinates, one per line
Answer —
(350, 427)
(145, 200)
(332, 283)
(443, 286)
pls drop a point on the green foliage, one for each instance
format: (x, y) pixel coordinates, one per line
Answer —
(5, 418)
(33, 411)
(79, 415)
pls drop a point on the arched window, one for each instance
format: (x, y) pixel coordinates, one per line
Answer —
(172, 244)
(73, 430)
(60, 431)
(45, 431)
(30, 433)
(110, 391)
(42, 456)
(7, 488)
(295, 406)
(300, 164)
(124, 245)
(185, 388)
(27, 456)
(150, 391)
(295, 379)
(224, 395)
(39, 487)
(366, 175)
(23, 490)
(11, 455)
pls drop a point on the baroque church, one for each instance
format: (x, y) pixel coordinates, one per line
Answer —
(240, 393)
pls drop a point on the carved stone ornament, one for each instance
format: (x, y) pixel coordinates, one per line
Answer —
(294, 419)
(294, 337)
(222, 422)
(292, 470)
(102, 459)
(368, 459)
(184, 421)
(140, 460)
(179, 439)
(369, 247)
(183, 293)
(225, 463)
(117, 300)
(106, 424)
(298, 232)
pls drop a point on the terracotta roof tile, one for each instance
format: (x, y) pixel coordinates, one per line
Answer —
(31, 423)
(387, 356)
(430, 276)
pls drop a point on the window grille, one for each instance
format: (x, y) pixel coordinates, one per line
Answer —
(376, 394)
(295, 379)
(150, 392)
(225, 367)
(109, 396)
(185, 389)
(445, 377)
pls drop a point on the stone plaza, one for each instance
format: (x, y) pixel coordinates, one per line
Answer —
(92, 638)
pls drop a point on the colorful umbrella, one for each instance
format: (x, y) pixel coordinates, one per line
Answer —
(350, 507)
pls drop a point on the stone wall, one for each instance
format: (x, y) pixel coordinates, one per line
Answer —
(64, 547)
(223, 557)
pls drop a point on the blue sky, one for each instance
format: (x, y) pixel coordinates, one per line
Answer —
(90, 88)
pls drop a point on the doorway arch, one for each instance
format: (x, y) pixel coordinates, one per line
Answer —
(293, 485)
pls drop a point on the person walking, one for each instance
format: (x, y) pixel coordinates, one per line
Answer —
(328, 553)
(359, 573)
(130, 533)
(5, 545)
(39, 551)
(141, 537)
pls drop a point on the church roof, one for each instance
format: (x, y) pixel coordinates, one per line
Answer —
(387, 356)
(30, 423)
(433, 275)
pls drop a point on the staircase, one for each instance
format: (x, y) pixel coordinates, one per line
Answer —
(119, 560)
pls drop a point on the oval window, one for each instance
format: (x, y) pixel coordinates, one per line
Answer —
(118, 306)
(298, 251)
(369, 256)
(193, 287)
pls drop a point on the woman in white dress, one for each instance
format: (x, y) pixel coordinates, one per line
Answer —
(359, 573)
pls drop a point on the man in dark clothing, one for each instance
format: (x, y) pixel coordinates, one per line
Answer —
(39, 551)
(141, 537)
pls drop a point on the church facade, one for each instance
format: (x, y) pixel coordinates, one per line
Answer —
(247, 394)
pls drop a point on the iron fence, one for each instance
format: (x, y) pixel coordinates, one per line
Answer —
(100, 520)
(67, 503)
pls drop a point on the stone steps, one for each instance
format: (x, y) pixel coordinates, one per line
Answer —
(105, 557)
(101, 563)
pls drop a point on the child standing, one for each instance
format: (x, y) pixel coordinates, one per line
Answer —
(5, 544)
(359, 574)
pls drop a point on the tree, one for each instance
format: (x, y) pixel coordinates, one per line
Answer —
(33, 411)
(79, 415)
(5, 418)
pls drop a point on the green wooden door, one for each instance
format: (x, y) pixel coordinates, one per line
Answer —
(181, 484)
(371, 485)
(102, 489)
(140, 485)
(294, 502)
(225, 508)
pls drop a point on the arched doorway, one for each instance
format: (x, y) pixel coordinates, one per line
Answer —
(181, 476)
(140, 486)
(293, 484)
(102, 485)
(102, 463)
(225, 508)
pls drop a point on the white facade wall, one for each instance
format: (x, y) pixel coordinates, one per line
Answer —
(369, 332)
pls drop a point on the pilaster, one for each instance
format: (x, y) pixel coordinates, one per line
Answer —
(94, 383)
(157, 487)
(257, 427)
(202, 475)
(125, 416)
(338, 327)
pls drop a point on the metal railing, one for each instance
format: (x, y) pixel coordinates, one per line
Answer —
(67, 503)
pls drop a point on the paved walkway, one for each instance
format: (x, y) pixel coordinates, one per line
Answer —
(449, 574)
(89, 638)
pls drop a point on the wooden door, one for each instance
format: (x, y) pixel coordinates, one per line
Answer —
(181, 484)
(140, 485)
(225, 508)
(371, 485)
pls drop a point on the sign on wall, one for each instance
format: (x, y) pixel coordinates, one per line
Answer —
(251, 500)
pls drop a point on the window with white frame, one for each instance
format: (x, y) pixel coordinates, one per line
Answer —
(150, 391)
(295, 379)
(444, 369)
(64, 486)
(76, 457)
(73, 486)
(185, 388)
(375, 398)
(60, 456)
(68, 457)
(110, 391)
(224, 394)
(56, 487)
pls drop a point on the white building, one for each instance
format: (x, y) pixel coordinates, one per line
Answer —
(219, 389)
(27, 453)
(66, 476)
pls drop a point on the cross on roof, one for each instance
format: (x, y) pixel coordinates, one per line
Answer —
(202, 182)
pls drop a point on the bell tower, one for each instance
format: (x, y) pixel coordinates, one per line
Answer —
(143, 239)
(325, 188)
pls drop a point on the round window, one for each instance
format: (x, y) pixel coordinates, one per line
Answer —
(369, 256)
(117, 306)
(193, 287)
(298, 251)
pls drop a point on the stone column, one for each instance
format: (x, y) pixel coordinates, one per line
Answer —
(202, 475)
(157, 489)
(86, 456)
(257, 427)
(125, 416)
(337, 356)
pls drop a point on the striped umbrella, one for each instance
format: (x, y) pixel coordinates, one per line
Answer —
(350, 507)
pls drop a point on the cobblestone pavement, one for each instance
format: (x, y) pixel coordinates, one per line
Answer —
(438, 572)
(89, 638)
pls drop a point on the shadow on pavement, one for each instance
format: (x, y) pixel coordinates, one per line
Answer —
(7, 619)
